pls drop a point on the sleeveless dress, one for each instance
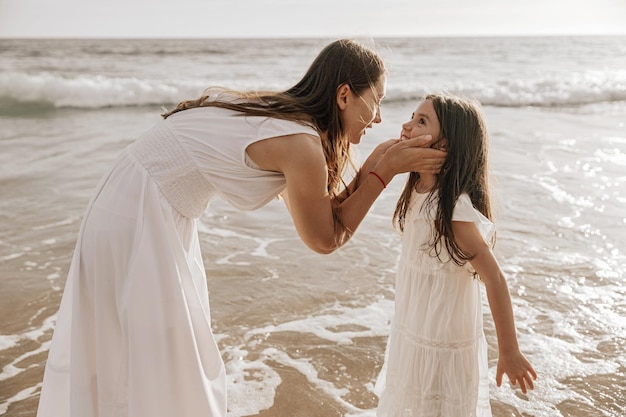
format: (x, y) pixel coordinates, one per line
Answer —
(436, 359)
(133, 335)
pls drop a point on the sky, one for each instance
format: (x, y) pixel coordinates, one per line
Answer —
(307, 18)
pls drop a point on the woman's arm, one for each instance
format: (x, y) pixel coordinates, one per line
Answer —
(387, 160)
(367, 166)
(510, 360)
(301, 159)
(430, 162)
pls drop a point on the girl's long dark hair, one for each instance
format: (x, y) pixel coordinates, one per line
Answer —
(465, 170)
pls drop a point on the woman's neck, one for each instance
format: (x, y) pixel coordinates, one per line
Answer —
(425, 184)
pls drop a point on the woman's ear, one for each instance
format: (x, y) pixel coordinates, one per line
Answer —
(343, 91)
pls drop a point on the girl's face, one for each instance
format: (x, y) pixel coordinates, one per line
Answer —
(361, 111)
(423, 121)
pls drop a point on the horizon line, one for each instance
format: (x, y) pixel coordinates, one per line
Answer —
(310, 37)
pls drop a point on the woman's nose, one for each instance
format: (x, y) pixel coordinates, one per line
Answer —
(378, 117)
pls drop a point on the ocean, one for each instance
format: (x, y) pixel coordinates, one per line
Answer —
(304, 334)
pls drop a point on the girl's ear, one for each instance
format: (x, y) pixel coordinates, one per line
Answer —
(343, 92)
(440, 144)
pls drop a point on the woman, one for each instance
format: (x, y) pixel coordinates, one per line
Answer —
(133, 334)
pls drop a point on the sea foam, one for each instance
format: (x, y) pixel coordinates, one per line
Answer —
(98, 91)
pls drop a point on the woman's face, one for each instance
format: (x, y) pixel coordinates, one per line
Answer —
(423, 121)
(361, 111)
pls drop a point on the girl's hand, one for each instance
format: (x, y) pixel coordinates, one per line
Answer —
(517, 369)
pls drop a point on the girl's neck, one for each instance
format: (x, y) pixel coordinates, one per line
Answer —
(425, 183)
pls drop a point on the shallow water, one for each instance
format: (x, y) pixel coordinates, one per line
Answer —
(304, 334)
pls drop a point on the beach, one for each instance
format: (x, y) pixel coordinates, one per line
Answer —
(304, 334)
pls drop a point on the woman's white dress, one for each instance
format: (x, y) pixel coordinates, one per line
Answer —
(133, 335)
(436, 359)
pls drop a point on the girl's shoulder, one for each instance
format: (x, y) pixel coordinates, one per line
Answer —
(464, 211)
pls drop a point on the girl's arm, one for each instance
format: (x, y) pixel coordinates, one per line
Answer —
(510, 360)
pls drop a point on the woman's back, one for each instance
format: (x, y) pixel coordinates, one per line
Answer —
(209, 145)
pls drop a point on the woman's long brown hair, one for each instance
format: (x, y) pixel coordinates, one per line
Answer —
(465, 170)
(312, 101)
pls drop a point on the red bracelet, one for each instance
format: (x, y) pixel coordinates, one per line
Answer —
(378, 176)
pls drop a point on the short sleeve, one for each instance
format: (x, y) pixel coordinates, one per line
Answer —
(464, 211)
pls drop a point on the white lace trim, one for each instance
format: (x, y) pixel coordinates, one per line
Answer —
(398, 401)
(173, 170)
(420, 342)
(410, 395)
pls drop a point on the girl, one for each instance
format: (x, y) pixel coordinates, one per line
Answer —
(133, 335)
(436, 363)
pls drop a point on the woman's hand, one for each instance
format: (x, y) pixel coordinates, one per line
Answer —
(410, 155)
(421, 157)
(377, 154)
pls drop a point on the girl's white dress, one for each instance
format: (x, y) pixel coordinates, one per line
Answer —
(133, 335)
(436, 359)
